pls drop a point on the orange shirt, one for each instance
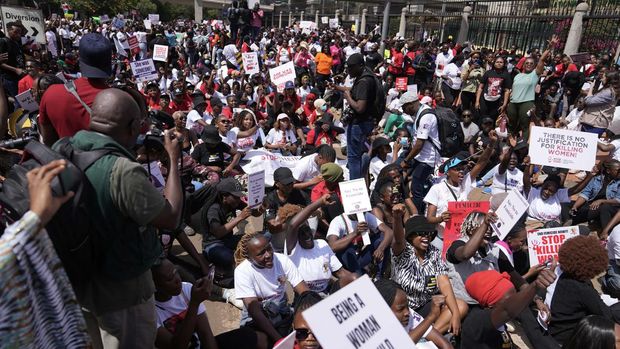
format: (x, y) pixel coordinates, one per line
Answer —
(323, 63)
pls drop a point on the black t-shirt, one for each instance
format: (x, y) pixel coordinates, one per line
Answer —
(211, 156)
(494, 85)
(16, 57)
(478, 332)
(217, 215)
(365, 89)
(296, 197)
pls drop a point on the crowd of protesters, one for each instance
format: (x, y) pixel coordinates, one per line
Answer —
(176, 146)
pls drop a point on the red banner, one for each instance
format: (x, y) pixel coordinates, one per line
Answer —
(458, 211)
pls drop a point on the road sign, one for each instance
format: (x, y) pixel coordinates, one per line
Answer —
(31, 19)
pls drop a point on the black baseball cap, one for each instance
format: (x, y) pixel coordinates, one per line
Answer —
(95, 56)
(283, 175)
(230, 186)
(418, 224)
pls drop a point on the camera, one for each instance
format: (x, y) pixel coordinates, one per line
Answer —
(347, 115)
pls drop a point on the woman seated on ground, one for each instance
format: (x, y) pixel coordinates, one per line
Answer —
(304, 338)
(420, 270)
(260, 282)
(314, 259)
(580, 258)
(381, 156)
(246, 131)
(187, 137)
(545, 203)
(212, 154)
(455, 187)
(392, 172)
(181, 317)
(420, 329)
(389, 196)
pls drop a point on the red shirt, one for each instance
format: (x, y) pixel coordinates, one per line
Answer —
(24, 84)
(560, 70)
(396, 67)
(152, 103)
(184, 105)
(321, 189)
(317, 138)
(409, 67)
(64, 112)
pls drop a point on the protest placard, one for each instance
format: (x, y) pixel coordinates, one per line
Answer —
(562, 148)
(401, 84)
(458, 211)
(26, 101)
(160, 53)
(104, 18)
(32, 21)
(287, 343)
(509, 212)
(325, 20)
(61, 76)
(154, 18)
(281, 74)
(256, 188)
(147, 24)
(413, 89)
(580, 58)
(544, 244)
(250, 63)
(133, 42)
(355, 200)
(356, 317)
(333, 23)
(307, 26)
(144, 70)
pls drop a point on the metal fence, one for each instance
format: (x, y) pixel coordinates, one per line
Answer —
(521, 23)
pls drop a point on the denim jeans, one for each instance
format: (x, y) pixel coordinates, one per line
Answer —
(356, 139)
(419, 184)
(357, 263)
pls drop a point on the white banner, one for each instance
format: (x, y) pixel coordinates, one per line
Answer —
(160, 53)
(250, 63)
(563, 148)
(544, 244)
(509, 212)
(281, 74)
(256, 188)
(31, 19)
(356, 317)
(26, 101)
(144, 70)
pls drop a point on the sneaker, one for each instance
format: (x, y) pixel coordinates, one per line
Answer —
(510, 327)
(229, 297)
(189, 231)
(581, 175)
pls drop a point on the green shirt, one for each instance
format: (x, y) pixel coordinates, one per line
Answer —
(523, 87)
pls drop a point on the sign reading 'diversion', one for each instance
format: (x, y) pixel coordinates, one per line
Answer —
(31, 19)
(563, 148)
(357, 317)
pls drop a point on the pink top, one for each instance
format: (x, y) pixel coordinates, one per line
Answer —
(257, 18)
(335, 51)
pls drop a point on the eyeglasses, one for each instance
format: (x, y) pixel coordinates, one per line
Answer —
(302, 334)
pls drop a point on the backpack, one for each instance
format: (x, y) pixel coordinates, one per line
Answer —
(72, 231)
(377, 108)
(451, 135)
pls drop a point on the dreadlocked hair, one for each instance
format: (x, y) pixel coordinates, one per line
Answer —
(472, 222)
(288, 211)
(241, 252)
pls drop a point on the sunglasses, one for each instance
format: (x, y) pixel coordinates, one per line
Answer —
(302, 333)
(225, 121)
(425, 233)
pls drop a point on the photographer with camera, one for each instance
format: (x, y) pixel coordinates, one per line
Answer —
(366, 104)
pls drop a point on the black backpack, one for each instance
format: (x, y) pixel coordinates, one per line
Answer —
(450, 132)
(73, 232)
(377, 108)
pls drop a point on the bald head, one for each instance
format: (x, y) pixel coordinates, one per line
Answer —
(113, 112)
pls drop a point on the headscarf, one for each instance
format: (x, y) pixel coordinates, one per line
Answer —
(488, 287)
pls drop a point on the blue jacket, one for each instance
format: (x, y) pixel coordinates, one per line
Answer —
(596, 184)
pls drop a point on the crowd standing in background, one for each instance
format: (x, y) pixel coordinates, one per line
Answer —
(162, 158)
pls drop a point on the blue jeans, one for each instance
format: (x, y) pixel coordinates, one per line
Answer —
(591, 129)
(357, 263)
(419, 184)
(356, 139)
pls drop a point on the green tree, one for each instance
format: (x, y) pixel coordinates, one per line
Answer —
(145, 7)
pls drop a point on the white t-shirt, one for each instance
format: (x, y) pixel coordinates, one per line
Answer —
(229, 52)
(613, 244)
(246, 143)
(316, 265)
(615, 154)
(454, 73)
(280, 137)
(548, 210)
(415, 320)
(230, 138)
(170, 313)
(306, 168)
(266, 284)
(442, 61)
(349, 51)
(376, 165)
(429, 131)
(342, 225)
(285, 54)
(506, 181)
(192, 121)
(469, 131)
(440, 194)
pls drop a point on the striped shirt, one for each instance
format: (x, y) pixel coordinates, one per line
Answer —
(418, 279)
(38, 308)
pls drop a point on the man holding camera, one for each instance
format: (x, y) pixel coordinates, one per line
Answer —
(118, 300)
(364, 107)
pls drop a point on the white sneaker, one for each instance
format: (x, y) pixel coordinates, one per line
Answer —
(229, 297)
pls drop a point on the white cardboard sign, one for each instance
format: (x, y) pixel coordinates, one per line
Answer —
(356, 317)
(325, 20)
(154, 18)
(160, 53)
(544, 244)
(509, 212)
(250, 63)
(563, 148)
(147, 24)
(287, 343)
(281, 74)
(144, 70)
(333, 23)
(355, 200)
(26, 101)
(256, 189)
(31, 19)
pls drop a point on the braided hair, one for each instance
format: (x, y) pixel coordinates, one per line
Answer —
(472, 222)
(241, 252)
